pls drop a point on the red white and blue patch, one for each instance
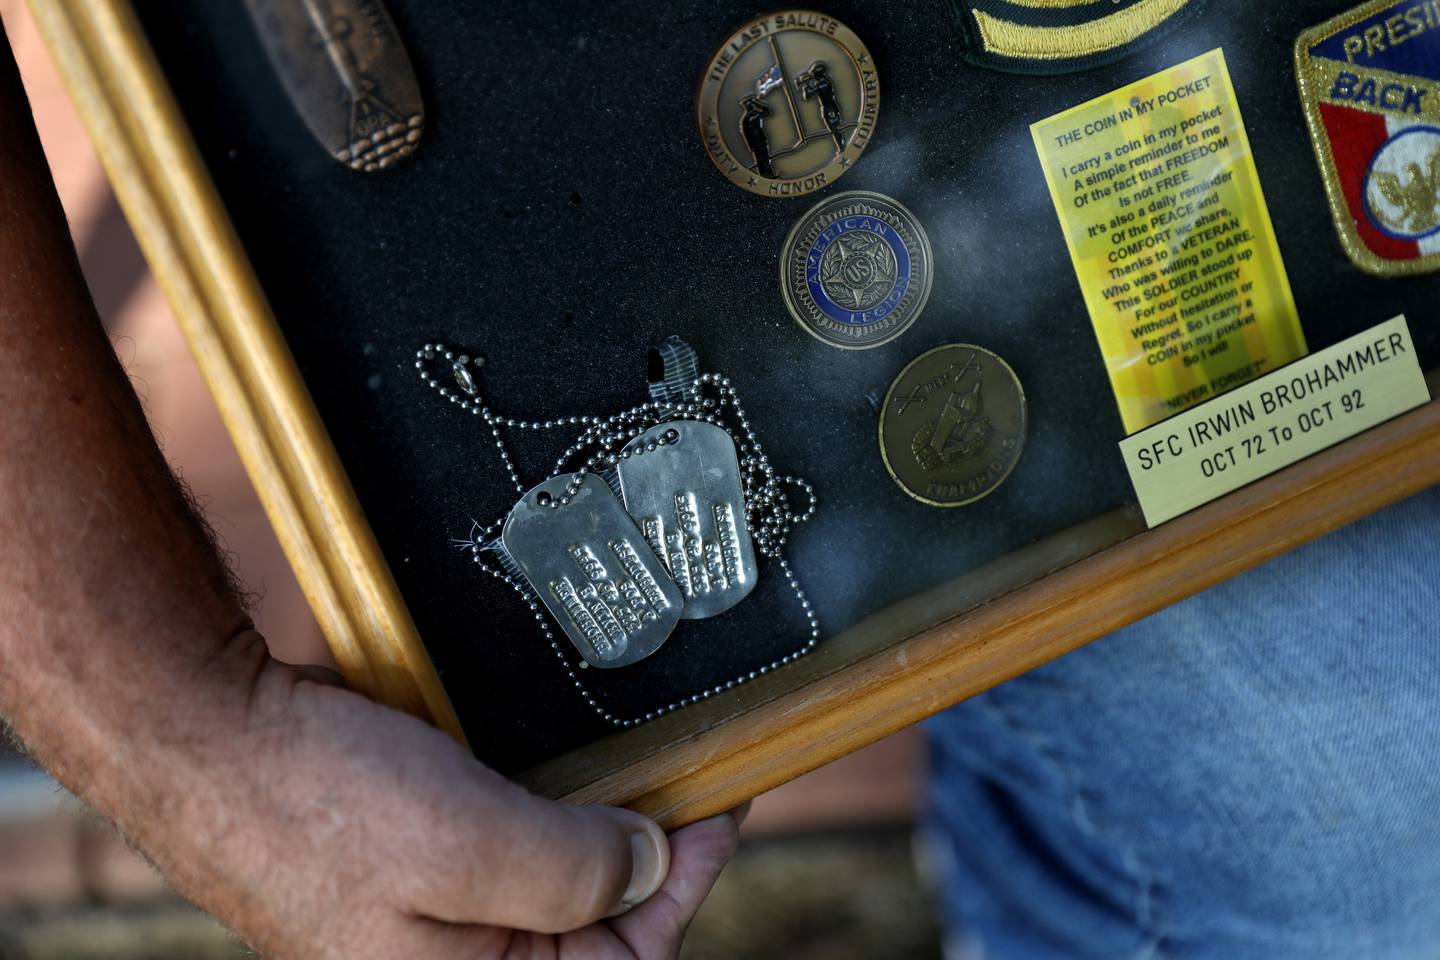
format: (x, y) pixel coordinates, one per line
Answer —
(1370, 82)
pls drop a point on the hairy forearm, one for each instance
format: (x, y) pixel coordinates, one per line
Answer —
(117, 618)
(316, 823)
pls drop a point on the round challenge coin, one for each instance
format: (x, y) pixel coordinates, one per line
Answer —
(856, 270)
(953, 425)
(788, 103)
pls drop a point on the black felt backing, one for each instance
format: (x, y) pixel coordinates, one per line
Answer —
(561, 216)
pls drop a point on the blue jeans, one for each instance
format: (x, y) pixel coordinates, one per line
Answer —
(1253, 773)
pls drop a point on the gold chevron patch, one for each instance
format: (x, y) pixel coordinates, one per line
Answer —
(1061, 36)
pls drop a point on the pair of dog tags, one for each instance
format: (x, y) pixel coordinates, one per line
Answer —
(622, 562)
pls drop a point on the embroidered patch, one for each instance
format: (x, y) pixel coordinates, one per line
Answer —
(1370, 83)
(1062, 36)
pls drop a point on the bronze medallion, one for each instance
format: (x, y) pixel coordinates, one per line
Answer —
(348, 75)
(789, 103)
(953, 425)
(856, 270)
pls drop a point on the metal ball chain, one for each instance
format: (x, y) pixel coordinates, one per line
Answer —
(767, 507)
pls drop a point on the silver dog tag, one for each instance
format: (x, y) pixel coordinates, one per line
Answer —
(589, 565)
(687, 498)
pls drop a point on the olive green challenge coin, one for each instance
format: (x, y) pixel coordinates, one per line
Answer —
(788, 103)
(953, 425)
(856, 270)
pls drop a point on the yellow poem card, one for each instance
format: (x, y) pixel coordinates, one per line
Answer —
(1162, 209)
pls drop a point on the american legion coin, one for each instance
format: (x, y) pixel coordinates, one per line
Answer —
(856, 270)
(788, 103)
(953, 425)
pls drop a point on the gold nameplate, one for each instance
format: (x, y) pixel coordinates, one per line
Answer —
(1270, 423)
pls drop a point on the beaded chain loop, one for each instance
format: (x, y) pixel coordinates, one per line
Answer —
(711, 398)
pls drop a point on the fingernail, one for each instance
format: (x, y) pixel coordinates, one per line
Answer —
(650, 858)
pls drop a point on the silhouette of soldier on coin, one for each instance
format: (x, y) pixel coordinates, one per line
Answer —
(815, 84)
(752, 128)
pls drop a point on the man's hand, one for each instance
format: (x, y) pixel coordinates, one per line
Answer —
(334, 827)
(317, 824)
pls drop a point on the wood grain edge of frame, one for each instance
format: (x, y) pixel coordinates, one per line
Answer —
(168, 196)
(909, 681)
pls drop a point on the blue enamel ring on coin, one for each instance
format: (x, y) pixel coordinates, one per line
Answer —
(856, 270)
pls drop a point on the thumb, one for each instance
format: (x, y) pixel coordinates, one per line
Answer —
(518, 861)
(656, 928)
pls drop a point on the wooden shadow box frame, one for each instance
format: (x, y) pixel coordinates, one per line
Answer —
(888, 672)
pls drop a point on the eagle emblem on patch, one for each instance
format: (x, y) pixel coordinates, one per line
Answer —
(1062, 36)
(1370, 83)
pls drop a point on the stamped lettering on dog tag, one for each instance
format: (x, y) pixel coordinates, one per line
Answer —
(687, 498)
(589, 564)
